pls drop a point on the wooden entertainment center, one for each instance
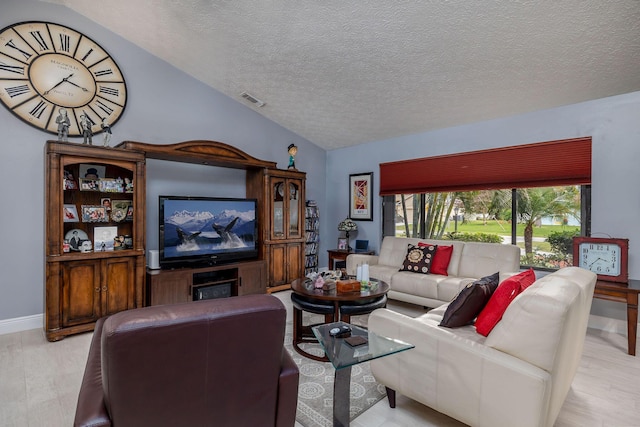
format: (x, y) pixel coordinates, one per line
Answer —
(84, 286)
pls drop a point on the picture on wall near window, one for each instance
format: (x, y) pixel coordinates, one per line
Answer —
(103, 238)
(361, 196)
(70, 213)
(342, 243)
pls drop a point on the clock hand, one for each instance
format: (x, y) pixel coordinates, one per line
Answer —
(59, 83)
(83, 89)
(597, 259)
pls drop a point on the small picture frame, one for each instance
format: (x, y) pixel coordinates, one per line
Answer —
(92, 213)
(87, 184)
(90, 171)
(106, 202)
(69, 181)
(111, 185)
(343, 244)
(103, 238)
(70, 213)
(120, 210)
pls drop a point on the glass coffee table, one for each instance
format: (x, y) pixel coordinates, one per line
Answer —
(344, 355)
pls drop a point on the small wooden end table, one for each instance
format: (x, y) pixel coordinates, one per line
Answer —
(625, 293)
(341, 255)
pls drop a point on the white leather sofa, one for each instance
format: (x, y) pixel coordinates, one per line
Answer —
(469, 261)
(519, 375)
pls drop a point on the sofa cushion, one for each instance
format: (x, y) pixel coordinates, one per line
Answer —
(466, 306)
(500, 300)
(482, 259)
(441, 259)
(418, 258)
(420, 285)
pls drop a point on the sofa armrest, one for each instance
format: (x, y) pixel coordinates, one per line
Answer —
(287, 391)
(90, 409)
(453, 372)
(354, 260)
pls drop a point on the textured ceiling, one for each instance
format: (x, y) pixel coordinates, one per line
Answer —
(341, 73)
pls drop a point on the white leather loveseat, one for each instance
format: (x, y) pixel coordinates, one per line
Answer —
(469, 261)
(518, 375)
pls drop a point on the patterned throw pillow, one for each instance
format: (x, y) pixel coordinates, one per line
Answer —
(469, 302)
(418, 259)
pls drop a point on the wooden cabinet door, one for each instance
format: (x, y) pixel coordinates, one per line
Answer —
(169, 287)
(81, 292)
(118, 291)
(252, 278)
(294, 261)
(277, 264)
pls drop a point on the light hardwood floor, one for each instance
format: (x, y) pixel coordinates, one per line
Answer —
(39, 383)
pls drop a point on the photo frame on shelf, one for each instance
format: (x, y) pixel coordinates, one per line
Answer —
(111, 185)
(90, 171)
(88, 184)
(94, 213)
(103, 238)
(70, 213)
(120, 210)
(361, 196)
(69, 182)
(343, 244)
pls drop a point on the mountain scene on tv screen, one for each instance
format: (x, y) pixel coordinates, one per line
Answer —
(201, 232)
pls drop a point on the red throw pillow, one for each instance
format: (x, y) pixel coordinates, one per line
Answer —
(500, 300)
(441, 260)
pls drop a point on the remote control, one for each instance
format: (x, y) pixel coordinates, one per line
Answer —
(336, 332)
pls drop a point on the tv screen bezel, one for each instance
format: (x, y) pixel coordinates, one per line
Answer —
(203, 260)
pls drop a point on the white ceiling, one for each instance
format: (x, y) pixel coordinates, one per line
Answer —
(340, 73)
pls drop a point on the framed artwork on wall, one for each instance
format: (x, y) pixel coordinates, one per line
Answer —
(361, 196)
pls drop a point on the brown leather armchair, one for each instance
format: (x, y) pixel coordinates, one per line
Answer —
(218, 362)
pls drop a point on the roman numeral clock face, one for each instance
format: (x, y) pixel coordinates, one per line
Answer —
(45, 67)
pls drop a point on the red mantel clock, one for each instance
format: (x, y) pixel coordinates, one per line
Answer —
(607, 257)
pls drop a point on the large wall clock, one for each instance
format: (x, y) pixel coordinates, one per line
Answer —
(607, 257)
(45, 67)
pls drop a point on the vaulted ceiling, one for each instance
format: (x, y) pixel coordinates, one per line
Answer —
(341, 73)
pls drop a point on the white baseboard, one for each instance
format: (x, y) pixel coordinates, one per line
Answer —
(19, 324)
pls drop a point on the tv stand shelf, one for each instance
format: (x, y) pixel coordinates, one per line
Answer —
(181, 284)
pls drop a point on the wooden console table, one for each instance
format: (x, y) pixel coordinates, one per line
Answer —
(625, 293)
(341, 255)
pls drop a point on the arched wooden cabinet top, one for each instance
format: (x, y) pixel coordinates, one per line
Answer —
(212, 153)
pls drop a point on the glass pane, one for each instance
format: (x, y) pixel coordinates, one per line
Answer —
(294, 194)
(546, 218)
(278, 208)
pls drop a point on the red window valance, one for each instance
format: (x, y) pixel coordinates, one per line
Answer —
(545, 164)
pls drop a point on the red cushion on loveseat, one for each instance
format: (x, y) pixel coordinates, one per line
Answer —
(500, 300)
(441, 258)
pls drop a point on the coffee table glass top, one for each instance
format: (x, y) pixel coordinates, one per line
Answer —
(343, 355)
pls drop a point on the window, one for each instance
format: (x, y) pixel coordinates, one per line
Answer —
(540, 220)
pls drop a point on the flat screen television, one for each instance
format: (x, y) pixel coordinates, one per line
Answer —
(206, 231)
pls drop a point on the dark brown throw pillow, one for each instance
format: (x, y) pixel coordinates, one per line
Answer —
(469, 302)
(419, 258)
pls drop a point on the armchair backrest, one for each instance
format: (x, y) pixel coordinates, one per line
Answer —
(214, 361)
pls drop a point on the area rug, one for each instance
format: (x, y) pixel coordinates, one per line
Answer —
(315, 391)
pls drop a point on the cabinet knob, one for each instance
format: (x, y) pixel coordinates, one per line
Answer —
(104, 289)
(98, 289)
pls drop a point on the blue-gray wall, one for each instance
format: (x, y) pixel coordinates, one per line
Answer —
(164, 106)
